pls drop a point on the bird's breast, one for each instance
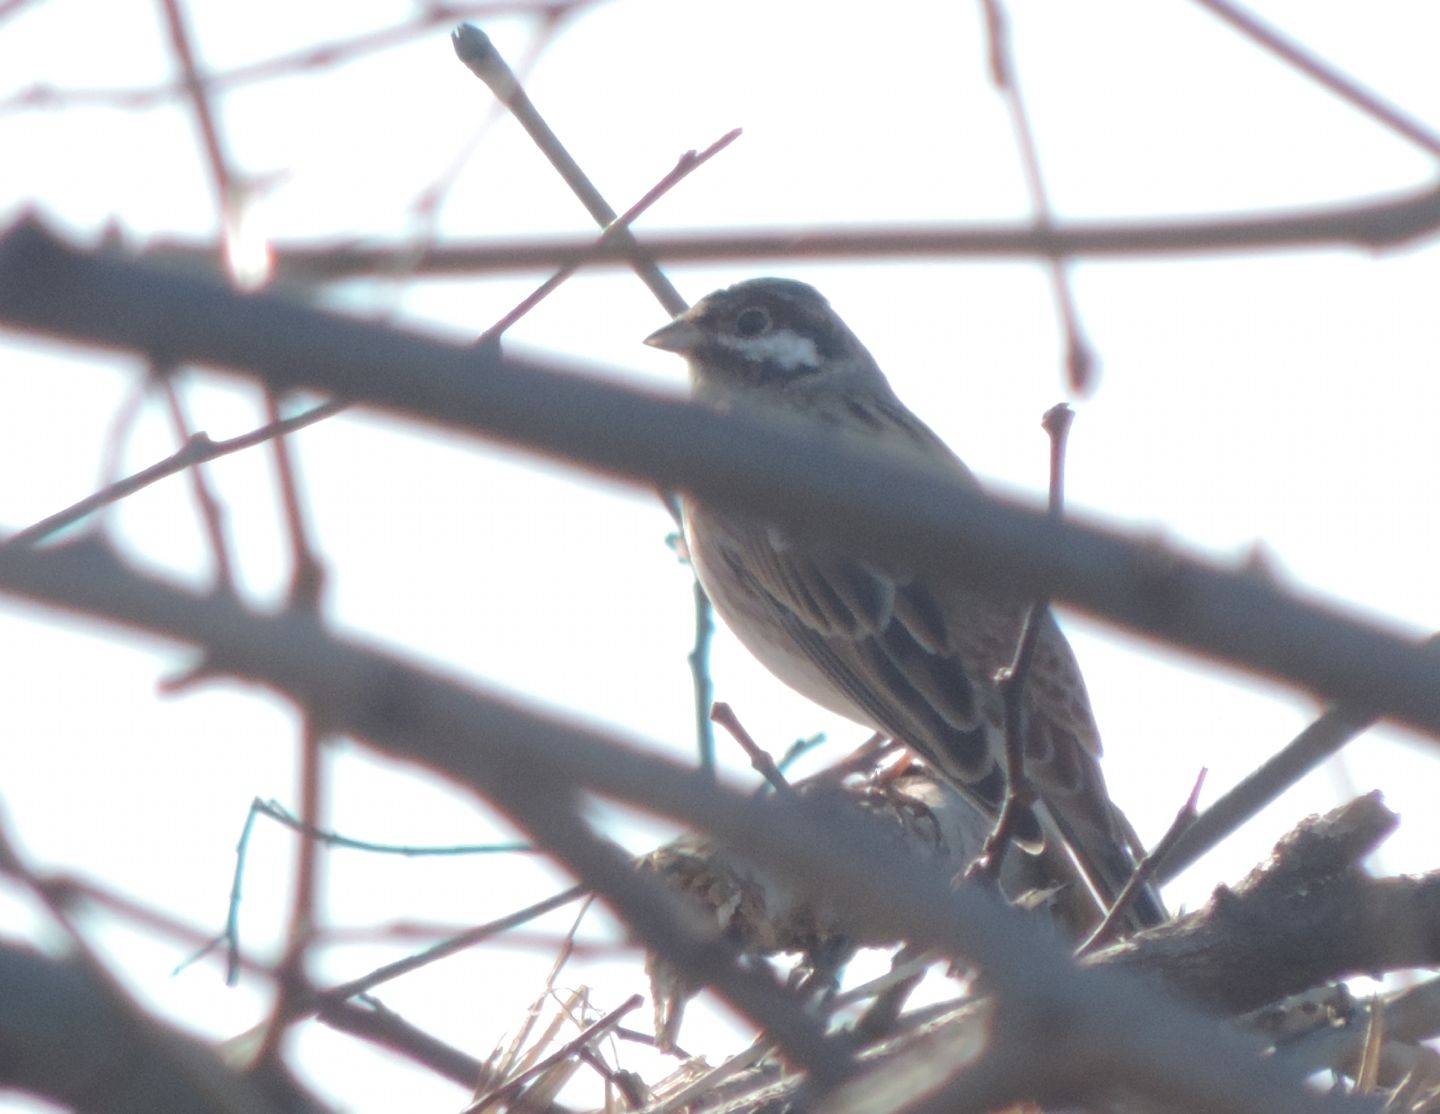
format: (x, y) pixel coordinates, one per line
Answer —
(715, 542)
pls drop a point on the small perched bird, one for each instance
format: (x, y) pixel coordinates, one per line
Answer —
(913, 657)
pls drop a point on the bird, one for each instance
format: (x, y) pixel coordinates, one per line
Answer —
(916, 657)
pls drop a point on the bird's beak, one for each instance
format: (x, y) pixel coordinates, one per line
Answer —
(681, 335)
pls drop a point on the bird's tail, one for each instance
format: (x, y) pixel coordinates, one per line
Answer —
(1102, 858)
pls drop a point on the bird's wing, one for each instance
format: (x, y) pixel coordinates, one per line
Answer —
(920, 664)
(884, 644)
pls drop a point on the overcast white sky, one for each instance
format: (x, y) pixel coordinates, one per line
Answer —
(1283, 402)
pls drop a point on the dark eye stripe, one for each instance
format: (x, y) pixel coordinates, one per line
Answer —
(752, 322)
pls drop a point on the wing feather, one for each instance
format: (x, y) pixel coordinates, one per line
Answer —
(887, 645)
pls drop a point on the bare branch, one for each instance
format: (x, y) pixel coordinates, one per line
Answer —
(321, 56)
(498, 749)
(1079, 355)
(1310, 916)
(1326, 75)
(475, 49)
(1384, 222)
(1321, 739)
(876, 505)
(66, 1037)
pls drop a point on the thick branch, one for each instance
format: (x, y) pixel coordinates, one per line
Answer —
(528, 764)
(64, 1036)
(1310, 916)
(886, 506)
(1306, 918)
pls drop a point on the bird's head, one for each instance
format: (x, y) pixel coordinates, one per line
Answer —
(769, 335)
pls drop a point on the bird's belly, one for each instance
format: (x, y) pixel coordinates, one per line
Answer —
(754, 620)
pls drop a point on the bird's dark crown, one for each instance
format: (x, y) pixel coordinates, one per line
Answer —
(760, 332)
(786, 305)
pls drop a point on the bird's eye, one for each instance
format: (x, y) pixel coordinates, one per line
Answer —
(752, 322)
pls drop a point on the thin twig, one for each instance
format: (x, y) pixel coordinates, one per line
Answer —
(197, 93)
(67, 889)
(197, 450)
(1020, 792)
(321, 56)
(1318, 70)
(232, 910)
(1142, 874)
(424, 209)
(293, 985)
(458, 943)
(890, 991)
(277, 812)
(570, 1048)
(209, 506)
(688, 163)
(567, 945)
(1317, 742)
(725, 716)
(864, 759)
(307, 574)
(520, 1051)
(313, 1001)
(801, 747)
(1056, 423)
(474, 48)
(906, 963)
(1373, 224)
(701, 683)
(1079, 355)
(432, 954)
(201, 449)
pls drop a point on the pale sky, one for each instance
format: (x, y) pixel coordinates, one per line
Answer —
(1277, 402)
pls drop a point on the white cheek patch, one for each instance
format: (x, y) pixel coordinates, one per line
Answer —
(785, 349)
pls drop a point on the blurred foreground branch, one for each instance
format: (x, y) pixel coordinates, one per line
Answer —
(879, 505)
(67, 1037)
(1297, 924)
(533, 766)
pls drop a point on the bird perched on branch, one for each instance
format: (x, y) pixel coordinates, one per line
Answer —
(916, 657)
